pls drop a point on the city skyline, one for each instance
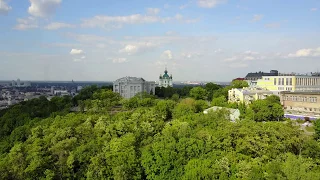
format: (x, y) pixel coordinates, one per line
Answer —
(198, 40)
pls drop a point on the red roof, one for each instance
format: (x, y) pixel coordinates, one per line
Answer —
(239, 79)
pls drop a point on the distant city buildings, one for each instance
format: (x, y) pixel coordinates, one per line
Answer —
(18, 83)
(165, 80)
(247, 95)
(128, 87)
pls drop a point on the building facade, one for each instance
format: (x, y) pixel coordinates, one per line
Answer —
(293, 83)
(247, 95)
(306, 103)
(128, 87)
(258, 75)
(165, 80)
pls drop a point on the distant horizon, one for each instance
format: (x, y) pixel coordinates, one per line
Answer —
(80, 81)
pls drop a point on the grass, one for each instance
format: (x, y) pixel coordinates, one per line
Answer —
(300, 121)
(310, 129)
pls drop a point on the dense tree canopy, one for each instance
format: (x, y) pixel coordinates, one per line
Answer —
(198, 93)
(147, 138)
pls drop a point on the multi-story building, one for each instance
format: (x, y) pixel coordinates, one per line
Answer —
(258, 75)
(307, 103)
(128, 87)
(289, 82)
(165, 80)
(252, 78)
(247, 95)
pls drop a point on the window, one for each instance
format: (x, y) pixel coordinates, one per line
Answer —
(290, 81)
(275, 81)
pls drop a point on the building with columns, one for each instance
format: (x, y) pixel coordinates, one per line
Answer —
(128, 87)
(291, 83)
(165, 80)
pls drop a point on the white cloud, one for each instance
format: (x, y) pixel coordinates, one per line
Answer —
(306, 53)
(153, 11)
(102, 21)
(167, 54)
(209, 3)
(4, 7)
(131, 49)
(76, 51)
(27, 23)
(43, 8)
(58, 25)
(314, 9)
(272, 25)
(241, 60)
(190, 55)
(257, 17)
(119, 60)
(111, 22)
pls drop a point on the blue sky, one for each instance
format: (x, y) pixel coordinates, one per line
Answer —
(212, 40)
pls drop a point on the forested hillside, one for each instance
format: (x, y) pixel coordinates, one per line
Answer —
(148, 138)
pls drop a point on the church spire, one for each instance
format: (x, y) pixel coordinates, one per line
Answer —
(166, 71)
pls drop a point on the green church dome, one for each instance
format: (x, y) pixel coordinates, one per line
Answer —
(166, 74)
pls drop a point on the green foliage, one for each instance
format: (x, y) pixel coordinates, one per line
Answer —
(239, 84)
(265, 110)
(164, 109)
(155, 139)
(211, 88)
(221, 92)
(185, 107)
(198, 93)
(317, 128)
(175, 97)
(85, 93)
(220, 101)
(273, 99)
(21, 114)
(168, 92)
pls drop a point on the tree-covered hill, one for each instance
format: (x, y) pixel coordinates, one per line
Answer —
(148, 138)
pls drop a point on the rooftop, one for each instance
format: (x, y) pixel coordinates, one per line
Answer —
(128, 78)
(302, 92)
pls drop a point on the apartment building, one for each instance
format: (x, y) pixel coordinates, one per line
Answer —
(247, 95)
(307, 103)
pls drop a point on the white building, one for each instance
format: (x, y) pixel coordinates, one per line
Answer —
(234, 113)
(165, 80)
(128, 87)
(247, 95)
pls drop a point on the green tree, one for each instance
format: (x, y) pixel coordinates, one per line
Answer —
(175, 97)
(239, 84)
(220, 101)
(211, 87)
(198, 93)
(317, 128)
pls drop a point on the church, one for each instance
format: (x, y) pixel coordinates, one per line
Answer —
(165, 80)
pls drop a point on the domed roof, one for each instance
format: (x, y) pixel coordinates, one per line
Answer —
(166, 74)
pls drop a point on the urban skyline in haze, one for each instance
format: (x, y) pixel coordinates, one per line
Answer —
(204, 40)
